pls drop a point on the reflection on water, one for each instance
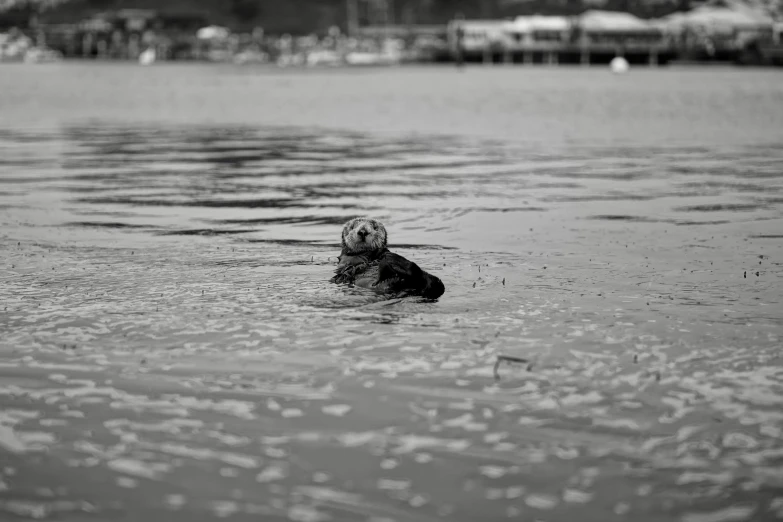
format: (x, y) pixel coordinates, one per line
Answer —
(171, 344)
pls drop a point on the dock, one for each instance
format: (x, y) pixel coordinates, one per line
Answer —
(589, 54)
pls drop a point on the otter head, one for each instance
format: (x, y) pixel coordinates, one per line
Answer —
(363, 235)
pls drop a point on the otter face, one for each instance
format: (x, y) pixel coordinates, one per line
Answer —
(363, 235)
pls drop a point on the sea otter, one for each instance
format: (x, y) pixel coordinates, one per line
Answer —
(367, 263)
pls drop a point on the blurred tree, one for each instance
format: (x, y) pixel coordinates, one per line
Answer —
(245, 11)
(36, 5)
(25, 12)
(305, 16)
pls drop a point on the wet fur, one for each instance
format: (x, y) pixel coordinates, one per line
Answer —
(362, 235)
(366, 262)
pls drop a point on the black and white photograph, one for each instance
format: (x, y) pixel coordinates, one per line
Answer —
(391, 260)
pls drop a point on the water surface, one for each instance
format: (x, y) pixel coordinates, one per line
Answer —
(172, 349)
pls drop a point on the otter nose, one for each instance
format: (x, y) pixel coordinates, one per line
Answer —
(362, 233)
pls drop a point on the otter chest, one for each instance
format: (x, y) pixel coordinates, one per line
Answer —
(367, 276)
(358, 271)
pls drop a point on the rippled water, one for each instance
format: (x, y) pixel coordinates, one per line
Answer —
(172, 349)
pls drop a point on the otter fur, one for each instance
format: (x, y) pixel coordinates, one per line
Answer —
(366, 262)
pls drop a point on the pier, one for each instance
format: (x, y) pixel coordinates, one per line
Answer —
(585, 54)
(593, 38)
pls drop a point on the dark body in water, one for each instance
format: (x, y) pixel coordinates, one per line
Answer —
(367, 263)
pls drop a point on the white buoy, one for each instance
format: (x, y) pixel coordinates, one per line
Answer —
(619, 65)
(147, 57)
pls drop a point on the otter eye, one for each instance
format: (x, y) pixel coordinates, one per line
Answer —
(374, 226)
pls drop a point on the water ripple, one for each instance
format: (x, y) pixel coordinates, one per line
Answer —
(171, 345)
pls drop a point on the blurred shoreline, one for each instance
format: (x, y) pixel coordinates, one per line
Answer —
(727, 31)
